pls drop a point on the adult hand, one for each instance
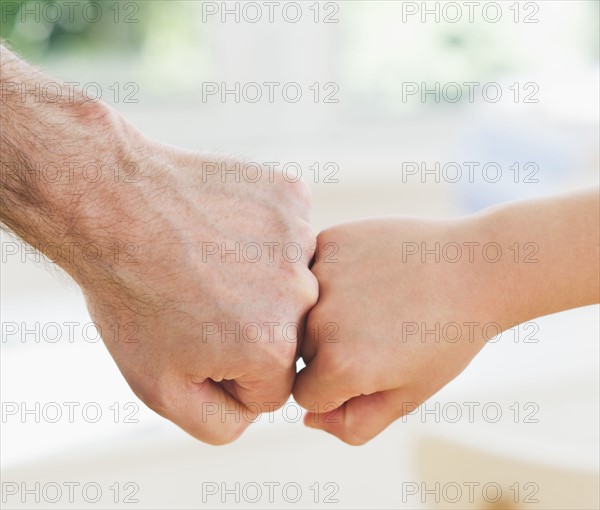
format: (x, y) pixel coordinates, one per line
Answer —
(211, 287)
(195, 270)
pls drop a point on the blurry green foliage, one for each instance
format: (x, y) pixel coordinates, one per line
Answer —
(38, 27)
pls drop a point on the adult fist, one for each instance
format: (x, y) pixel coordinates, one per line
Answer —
(202, 307)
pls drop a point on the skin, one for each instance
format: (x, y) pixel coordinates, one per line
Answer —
(203, 337)
(378, 363)
(162, 300)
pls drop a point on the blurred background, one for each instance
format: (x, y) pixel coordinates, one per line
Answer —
(384, 125)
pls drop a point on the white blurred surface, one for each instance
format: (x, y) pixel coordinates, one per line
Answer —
(369, 134)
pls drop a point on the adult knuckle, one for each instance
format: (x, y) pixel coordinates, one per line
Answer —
(302, 192)
(279, 353)
(307, 291)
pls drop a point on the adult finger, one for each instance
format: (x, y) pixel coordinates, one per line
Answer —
(207, 411)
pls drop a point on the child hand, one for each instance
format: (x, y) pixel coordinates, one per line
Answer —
(394, 322)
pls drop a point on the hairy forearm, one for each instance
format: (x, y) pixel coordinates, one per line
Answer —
(559, 270)
(55, 149)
